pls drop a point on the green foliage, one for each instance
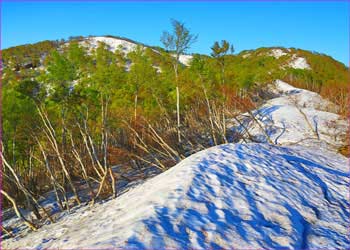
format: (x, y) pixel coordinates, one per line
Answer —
(28, 55)
(220, 50)
(77, 55)
(20, 121)
(180, 40)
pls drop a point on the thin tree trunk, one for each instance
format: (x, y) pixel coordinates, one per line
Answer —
(86, 142)
(244, 127)
(18, 213)
(100, 187)
(223, 73)
(53, 179)
(224, 126)
(178, 113)
(260, 126)
(210, 113)
(163, 144)
(177, 99)
(53, 141)
(25, 191)
(84, 172)
(135, 108)
(13, 149)
(113, 183)
(7, 231)
(268, 138)
(144, 147)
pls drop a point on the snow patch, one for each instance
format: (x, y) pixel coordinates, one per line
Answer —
(277, 53)
(113, 43)
(246, 55)
(299, 63)
(229, 196)
(290, 95)
(283, 87)
(185, 59)
(123, 45)
(296, 116)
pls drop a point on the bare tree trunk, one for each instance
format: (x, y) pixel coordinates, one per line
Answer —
(218, 121)
(114, 195)
(85, 136)
(209, 113)
(314, 131)
(25, 191)
(84, 172)
(105, 142)
(145, 148)
(224, 126)
(260, 126)
(54, 182)
(33, 208)
(178, 113)
(95, 158)
(100, 187)
(163, 109)
(53, 141)
(244, 127)
(7, 231)
(268, 138)
(135, 108)
(164, 145)
(177, 99)
(223, 72)
(13, 149)
(18, 213)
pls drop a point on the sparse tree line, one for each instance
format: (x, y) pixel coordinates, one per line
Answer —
(67, 125)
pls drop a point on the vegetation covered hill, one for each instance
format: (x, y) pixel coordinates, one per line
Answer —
(71, 112)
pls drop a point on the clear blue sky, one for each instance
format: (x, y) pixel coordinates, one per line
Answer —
(317, 26)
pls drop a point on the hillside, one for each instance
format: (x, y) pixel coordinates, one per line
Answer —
(119, 124)
(33, 55)
(242, 196)
(292, 194)
(306, 69)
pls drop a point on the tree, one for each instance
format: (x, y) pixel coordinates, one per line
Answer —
(179, 41)
(219, 51)
(141, 72)
(60, 76)
(77, 55)
(108, 75)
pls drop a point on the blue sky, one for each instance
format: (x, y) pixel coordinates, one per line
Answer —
(316, 26)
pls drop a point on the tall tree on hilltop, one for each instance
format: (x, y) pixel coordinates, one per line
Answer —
(179, 41)
(219, 51)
